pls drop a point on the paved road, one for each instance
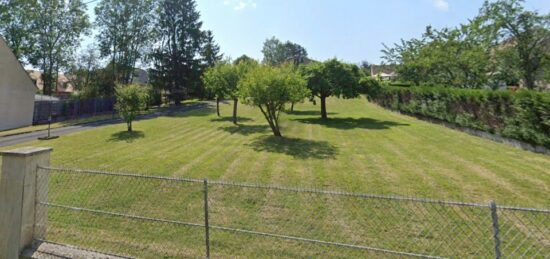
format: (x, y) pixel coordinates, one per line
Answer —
(26, 137)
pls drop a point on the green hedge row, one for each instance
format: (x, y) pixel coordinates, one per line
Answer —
(522, 115)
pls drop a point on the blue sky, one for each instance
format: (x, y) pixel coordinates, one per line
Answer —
(351, 30)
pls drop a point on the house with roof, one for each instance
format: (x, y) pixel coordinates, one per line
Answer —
(384, 72)
(64, 88)
(16, 91)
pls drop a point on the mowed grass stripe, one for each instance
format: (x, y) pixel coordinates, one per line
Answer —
(360, 148)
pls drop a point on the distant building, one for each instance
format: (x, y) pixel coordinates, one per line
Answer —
(16, 91)
(64, 87)
(384, 72)
(141, 77)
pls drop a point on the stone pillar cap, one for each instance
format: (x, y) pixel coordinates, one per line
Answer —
(26, 151)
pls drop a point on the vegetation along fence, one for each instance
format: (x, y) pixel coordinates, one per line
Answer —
(523, 115)
(61, 110)
(151, 217)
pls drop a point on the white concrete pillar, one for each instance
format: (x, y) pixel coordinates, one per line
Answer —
(20, 186)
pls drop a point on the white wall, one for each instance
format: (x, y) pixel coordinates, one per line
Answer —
(16, 91)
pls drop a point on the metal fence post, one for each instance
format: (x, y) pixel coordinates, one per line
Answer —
(206, 226)
(496, 230)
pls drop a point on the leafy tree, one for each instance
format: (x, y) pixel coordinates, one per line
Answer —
(332, 78)
(277, 53)
(83, 71)
(56, 30)
(177, 60)
(125, 32)
(525, 31)
(270, 88)
(210, 50)
(452, 57)
(16, 18)
(221, 80)
(365, 68)
(244, 58)
(130, 100)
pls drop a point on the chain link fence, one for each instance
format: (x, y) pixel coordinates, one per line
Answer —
(153, 216)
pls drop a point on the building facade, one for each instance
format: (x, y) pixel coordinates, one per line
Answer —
(16, 91)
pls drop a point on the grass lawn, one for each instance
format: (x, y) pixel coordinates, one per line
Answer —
(361, 148)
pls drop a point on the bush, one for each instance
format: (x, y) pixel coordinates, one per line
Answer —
(130, 100)
(523, 115)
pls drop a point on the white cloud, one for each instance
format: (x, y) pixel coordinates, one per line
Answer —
(239, 5)
(441, 5)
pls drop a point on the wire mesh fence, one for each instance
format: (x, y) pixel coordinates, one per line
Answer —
(151, 216)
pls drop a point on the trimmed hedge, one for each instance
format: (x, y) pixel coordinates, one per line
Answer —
(522, 115)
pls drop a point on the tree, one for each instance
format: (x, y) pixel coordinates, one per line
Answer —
(242, 68)
(528, 33)
(221, 80)
(15, 25)
(210, 50)
(130, 100)
(270, 88)
(177, 60)
(83, 71)
(365, 68)
(57, 31)
(332, 78)
(125, 32)
(452, 57)
(244, 58)
(277, 53)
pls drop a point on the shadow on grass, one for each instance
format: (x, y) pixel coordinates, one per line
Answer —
(203, 112)
(352, 123)
(126, 136)
(245, 129)
(304, 113)
(230, 119)
(295, 147)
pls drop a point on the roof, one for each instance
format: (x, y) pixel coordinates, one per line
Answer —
(388, 70)
(4, 44)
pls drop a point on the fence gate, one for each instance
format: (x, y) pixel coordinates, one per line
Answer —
(149, 217)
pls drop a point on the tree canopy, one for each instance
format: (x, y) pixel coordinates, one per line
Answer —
(130, 100)
(332, 78)
(270, 89)
(276, 52)
(504, 44)
(56, 40)
(125, 34)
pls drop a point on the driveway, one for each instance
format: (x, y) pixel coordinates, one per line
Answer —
(26, 137)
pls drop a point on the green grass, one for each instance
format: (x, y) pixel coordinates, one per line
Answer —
(361, 148)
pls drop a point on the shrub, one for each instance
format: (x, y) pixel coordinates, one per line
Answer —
(522, 115)
(130, 100)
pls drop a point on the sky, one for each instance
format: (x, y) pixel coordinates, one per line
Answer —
(350, 30)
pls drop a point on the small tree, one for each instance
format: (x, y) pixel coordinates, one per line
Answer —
(332, 78)
(221, 80)
(242, 66)
(130, 100)
(270, 88)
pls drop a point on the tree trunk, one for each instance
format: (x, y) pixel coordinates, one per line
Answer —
(323, 107)
(129, 124)
(235, 101)
(276, 132)
(218, 106)
(529, 81)
(292, 107)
